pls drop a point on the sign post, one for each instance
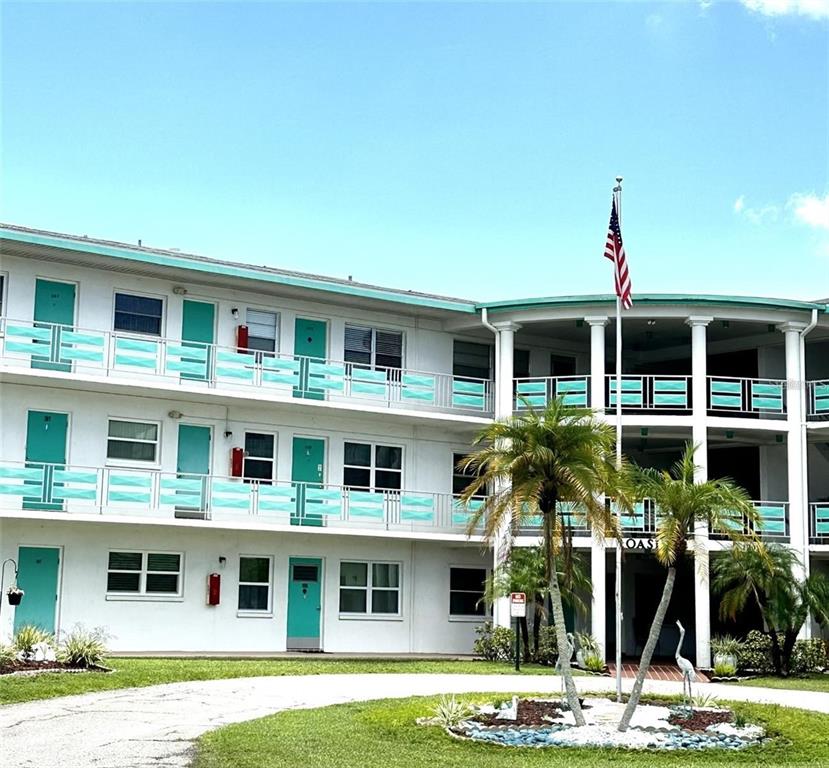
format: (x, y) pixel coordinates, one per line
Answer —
(517, 610)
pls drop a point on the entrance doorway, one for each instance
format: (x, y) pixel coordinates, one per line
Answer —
(304, 604)
(38, 575)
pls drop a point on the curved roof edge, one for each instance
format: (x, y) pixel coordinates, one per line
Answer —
(653, 298)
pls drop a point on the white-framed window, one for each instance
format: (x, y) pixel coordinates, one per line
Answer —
(136, 313)
(373, 348)
(131, 572)
(255, 575)
(3, 282)
(133, 441)
(260, 456)
(372, 466)
(466, 591)
(263, 330)
(370, 588)
(471, 359)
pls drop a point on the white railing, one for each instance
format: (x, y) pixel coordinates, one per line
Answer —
(124, 491)
(649, 392)
(537, 392)
(819, 522)
(818, 399)
(134, 357)
(760, 397)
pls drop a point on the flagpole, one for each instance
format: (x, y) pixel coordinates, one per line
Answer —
(617, 191)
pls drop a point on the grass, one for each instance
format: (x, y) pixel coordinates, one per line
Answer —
(811, 682)
(383, 734)
(139, 672)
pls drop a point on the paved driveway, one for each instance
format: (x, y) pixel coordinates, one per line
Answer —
(143, 727)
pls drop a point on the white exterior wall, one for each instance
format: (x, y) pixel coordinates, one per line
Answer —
(187, 623)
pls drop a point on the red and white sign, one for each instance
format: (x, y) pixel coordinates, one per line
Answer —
(517, 605)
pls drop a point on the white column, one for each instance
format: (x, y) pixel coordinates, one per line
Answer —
(598, 575)
(798, 507)
(503, 410)
(597, 361)
(699, 436)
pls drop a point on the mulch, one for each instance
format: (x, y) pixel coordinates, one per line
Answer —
(699, 720)
(530, 712)
(17, 666)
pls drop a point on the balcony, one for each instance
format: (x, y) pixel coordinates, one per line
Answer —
(819, 523)
(759, 398)
(817, 406)
(113, 492)
(130, 359)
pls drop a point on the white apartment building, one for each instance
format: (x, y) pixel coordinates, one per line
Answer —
(201, 455)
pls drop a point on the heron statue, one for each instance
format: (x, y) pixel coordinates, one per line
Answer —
(685, 666)
(571, 647)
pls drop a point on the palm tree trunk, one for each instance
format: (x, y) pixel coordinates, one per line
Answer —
(538, 613)
(650, 646)
(558, 616)
(776, 653)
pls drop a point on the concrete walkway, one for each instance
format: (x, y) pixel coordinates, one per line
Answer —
(156, 726)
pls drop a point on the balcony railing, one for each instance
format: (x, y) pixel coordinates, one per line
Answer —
(129, 356)
(755, 397)
(659, 393)
(819, 523)
(818, 399)
(773, 522)
(122, 491)
(537, 392)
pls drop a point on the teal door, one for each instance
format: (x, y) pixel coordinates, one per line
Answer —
(38, 578)
(304, 603)
(55, 309)
(192, 469)
(310, 344)
(45, 450)
(307, 470)
(197, 324)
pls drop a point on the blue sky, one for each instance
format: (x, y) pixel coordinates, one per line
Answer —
(466, 149)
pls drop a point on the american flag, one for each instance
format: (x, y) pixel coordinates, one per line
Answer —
(614, 250)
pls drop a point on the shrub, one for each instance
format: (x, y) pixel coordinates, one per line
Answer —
(722, 669)
(450, 712)
(547, 646)
(755, 653)
(594, 663)
(7, 655)
(84, 648)
(725, 644)
(588, 643)
(705, 700)
(28, 636)
(494, 643)
(808, 656)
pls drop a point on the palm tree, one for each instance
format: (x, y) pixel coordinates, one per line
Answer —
(531, 462)
(765, 575)
(680, 504)
(524, 571)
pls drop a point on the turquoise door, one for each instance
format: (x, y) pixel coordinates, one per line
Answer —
(55, 306)
(307, 470)
(310, 344)
(38, 578)
(45, 450)
(304, 603)
(192, 469)
(197, 323)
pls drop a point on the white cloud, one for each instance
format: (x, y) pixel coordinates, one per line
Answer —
(811, 209)
(815, 9)
(739, 204)
(755, 215)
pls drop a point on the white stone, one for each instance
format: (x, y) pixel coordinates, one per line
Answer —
(748, 732)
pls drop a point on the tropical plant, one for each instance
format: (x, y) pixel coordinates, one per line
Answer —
(705, 700)
(681, 503)
(28, 636)
(494, 643)
(593, 662)
(765, 574)
(531, 463)
(451, 712)
(726, 645)
(84, 648)
(755, 653)
(7, 655)
(724, 669)
(809, 656)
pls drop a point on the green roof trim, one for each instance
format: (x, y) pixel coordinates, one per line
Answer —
(653, 298)
(231, 269)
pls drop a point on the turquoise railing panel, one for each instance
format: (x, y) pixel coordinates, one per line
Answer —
(767, 397)
(136, 353)
(417, 509)
(632, 392)
(418, 387)
(822, 520)
(238, 366)
(821, 398)
(367, 382)
(280, 371)
(190, 360)
(634, 519)
(468, 394)
(33, 489)
(182, 491)
(462, 514)
(277, 498)
(28, 340)
(230, 495)
(21, 473)
(129, 489)
(76, 484)
(327, 376)
(365, 504)
(726, 394)
(772, 519)
(82, 346)
(670, 393)
(573, 392)
(323, 502)
(532, 393)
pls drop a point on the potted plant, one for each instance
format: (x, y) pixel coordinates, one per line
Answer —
(14, 594)
(725, 651)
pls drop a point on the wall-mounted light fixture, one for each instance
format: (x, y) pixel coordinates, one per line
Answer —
(175, 414)
(179, 290)
(651, 322)
(235, 313)
(222, 560)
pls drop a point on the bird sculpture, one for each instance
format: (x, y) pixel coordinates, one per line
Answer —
(685, 666)
(571, 647)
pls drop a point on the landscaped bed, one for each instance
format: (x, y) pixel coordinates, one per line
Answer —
(384, 734)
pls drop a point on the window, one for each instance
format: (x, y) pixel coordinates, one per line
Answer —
(259, 456)
(263, 330)
(562, 365)
(461, 479)
(144, 573)
(373, 348)
(378, 467)
(370, 588)
(471, 360)
(138, 314)
(132, 441)
(521, 363)
(466, 591)
(255, 584)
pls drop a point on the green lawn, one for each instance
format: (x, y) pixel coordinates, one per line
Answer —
(130, 672)
(812, 682)
(382, 734)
